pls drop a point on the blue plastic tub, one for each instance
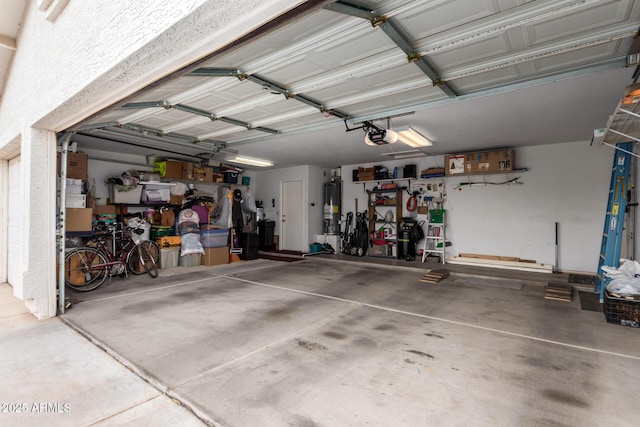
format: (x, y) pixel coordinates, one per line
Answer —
(214, 238)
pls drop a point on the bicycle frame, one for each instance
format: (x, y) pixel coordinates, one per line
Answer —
(115, 256)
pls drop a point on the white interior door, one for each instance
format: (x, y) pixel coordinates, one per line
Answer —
(292, 216)
(14, 233)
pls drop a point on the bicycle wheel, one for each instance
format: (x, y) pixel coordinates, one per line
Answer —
(144, 258)
(84, 269)
(146, 252)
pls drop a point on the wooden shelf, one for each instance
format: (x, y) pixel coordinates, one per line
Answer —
(485, 173)
(385, 180)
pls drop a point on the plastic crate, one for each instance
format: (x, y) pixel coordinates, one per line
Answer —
(169, 257)
(192, 260)
(621, 311)
(132, 196)
(214, 238)
(160, 231)
(436, 216)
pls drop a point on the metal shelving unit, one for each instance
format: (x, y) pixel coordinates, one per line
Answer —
(390, 248)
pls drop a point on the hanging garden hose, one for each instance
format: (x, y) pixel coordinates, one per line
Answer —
(470, 184)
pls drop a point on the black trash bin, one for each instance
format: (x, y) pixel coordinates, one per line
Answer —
(265, 234)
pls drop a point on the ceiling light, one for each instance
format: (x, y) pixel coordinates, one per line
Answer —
(412, 138)
(249, 161)
(395, 153)
(408, 155)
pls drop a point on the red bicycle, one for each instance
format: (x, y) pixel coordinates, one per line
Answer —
(86, 268)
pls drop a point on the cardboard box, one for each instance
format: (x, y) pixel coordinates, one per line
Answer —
(204, 174)
(215, 256)
(104, 209)
(76, 165)
(168, 169)
(193, 172)
(187, 171)
(365, 176)
(175, 200)
(480, 162)
(168, 241)
(79, 219)
(431, 172)
(454, 165)
(490, 161)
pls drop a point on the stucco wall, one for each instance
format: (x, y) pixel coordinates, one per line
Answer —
(92, 56)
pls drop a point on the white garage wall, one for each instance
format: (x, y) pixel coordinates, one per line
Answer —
(566, 183)
(268, 188)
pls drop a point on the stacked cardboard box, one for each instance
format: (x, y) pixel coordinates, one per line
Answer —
(366, 174)
(215, 256)
(168, 169)
(194, 172)
(480, 162)
(78, 218)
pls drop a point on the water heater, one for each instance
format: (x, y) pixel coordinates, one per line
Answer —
(332, 210)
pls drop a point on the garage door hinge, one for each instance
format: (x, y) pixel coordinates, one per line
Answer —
(377, 20)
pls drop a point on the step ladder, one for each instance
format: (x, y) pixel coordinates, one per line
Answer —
(614, 218)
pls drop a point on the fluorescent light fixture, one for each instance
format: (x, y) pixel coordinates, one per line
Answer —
(249, 161)
(396, 153)
(408, 155)
(413, 138)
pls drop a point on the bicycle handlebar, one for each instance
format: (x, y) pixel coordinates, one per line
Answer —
(113, 228)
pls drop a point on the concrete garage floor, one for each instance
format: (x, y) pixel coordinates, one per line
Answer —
(324, 342)
(52, 376)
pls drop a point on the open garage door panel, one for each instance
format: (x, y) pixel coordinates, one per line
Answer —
(287, 93)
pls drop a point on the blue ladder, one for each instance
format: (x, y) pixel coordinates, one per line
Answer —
(614, 219)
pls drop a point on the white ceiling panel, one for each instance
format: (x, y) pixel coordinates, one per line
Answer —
(434, 17)
(458, 69)
(581, 21)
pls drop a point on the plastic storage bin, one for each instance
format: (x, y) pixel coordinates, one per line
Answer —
(231, 177)
(131, 196)
(169, 257)
(214, 238)
(160, 230)
(76, 201)
(190, 260)
(314, 248)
